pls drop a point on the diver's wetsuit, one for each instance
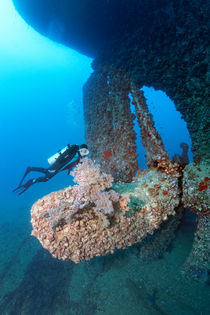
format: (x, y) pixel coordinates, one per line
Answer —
(59, 165)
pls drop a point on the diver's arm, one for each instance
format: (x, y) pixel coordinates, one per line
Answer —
(70, 166)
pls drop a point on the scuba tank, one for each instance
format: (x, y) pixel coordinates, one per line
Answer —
(54, 157)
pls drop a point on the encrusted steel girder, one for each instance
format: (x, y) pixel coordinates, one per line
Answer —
(109, 123)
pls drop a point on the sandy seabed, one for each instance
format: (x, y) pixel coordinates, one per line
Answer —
(32, 282)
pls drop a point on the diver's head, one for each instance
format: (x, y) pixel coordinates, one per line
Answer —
(83, 150)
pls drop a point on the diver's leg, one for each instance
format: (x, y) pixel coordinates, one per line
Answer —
(38, 169)
(33, 181)
(26, 186)
(25, 174)
(32, 169)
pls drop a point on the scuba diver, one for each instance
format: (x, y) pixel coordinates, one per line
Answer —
(58, 162)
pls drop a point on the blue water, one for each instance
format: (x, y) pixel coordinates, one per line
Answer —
(41, 111)
(38, 80)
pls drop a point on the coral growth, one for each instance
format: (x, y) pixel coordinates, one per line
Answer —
(107, 104)
(91, 219)
(95, 217)
(196, 195)
(197, 266)
(151, 139)
(182, 159)
(154, 246)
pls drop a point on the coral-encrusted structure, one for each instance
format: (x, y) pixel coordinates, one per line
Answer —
(72, 224)
(88, 220)
(151, 139)
(154, 246)
(163, 44)
(85, 221)
(196, 185)
(109, 123)
(196, 196)
(198, 263)
(182, 159)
